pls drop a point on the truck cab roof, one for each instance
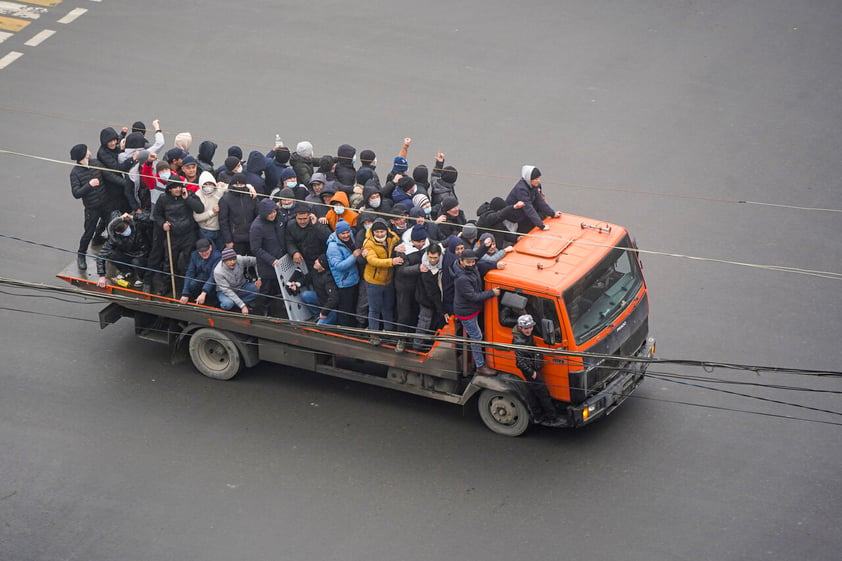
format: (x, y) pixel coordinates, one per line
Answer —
(548, 261)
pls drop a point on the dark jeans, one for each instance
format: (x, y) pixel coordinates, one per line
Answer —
(347, 306)
(96, 220)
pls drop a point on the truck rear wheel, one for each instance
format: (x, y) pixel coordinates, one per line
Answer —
(214, 354)
(503, 413)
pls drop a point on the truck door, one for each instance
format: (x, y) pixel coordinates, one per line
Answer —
(503, 318)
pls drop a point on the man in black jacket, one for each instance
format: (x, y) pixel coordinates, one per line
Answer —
(530, 363)
(237, 210)
(306, 238)
(86, 184)
(125, 247)
(266, 237)
(325, 295)
(173, 213)
(114, 176)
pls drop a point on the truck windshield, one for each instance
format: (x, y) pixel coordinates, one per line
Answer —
(599, 297)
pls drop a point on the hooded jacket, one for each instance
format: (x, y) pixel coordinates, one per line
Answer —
(255, 166)
(349, 216)
(526, 361)
(379, 268)
(237, 210)
(535, 209)
(346, 174)
(123, 247)
(266, 238)
(208, 219)
(207, 150)
(114, 177)
(303, 167)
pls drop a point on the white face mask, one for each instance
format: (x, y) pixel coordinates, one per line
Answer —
(287, 205)
(354, 160)
(380, 239)
(374, 162)
(207, 189)
(292, 184)
(127, 232)
(374, 202)
(338, 209)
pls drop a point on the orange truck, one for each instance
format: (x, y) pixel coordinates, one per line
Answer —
(581, 281)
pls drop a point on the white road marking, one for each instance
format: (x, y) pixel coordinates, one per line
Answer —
(72, 15)
(4, 36)
(40, 38)
(20, 11)
(9, 59)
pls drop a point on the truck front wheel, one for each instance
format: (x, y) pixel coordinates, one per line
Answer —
(503, 413)
(214, 354)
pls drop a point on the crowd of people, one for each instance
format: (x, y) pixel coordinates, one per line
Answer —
(398, 255)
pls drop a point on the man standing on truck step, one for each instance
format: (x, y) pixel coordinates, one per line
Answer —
(232, 286)
(530, 364)
(535, 208)
(467, 304)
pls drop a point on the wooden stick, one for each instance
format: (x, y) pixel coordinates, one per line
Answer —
(172, 265)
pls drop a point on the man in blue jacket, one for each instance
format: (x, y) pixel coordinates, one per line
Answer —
(198, 280)
(467, 304)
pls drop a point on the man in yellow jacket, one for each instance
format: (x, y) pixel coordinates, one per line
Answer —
(379, 249)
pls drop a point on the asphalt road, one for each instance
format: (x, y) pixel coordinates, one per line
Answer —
(655, 115)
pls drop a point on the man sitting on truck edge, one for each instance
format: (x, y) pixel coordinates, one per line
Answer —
(535, 208)
(232, 286)
(467, 304)
(198, 280)
(530, 364)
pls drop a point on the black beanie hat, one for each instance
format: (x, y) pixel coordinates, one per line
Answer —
(135, 140)
(536, 173)
(405, 183)
(497, 203)
(138, 126)
(282, 154)
(367, 156)
(449, 174)
(239, 179)
(78, 152)
(235, 151)
(231, 163)
(449, 203)
(420, 174)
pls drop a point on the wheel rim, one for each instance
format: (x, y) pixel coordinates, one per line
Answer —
(214, 355)
(504, 410)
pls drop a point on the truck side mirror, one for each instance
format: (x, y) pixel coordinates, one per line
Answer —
(548, 331)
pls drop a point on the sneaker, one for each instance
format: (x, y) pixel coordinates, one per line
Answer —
(81, 262)
(375, 341)
(400, 346)
(138, 283)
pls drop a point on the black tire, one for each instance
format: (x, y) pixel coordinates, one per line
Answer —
(214, 354)
(503, 413)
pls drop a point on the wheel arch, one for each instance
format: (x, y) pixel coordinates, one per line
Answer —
(504, 383)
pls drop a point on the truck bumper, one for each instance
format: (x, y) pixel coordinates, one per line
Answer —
(603, 403)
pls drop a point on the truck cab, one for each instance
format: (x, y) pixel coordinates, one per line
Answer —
(582, 282)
